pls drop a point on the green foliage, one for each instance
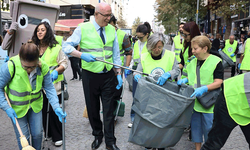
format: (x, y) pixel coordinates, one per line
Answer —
(136, 23)
(172, 12)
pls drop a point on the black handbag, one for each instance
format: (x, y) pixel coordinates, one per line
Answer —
(208, 99)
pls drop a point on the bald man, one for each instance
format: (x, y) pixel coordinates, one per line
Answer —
(98, 39)
(231, 49)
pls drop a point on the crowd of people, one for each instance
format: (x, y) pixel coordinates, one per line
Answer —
(194, 59)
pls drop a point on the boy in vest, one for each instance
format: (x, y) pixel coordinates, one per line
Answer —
(178, 43)
(231, 109)
(231, 49)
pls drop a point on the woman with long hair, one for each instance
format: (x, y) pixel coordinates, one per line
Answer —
(51, 52)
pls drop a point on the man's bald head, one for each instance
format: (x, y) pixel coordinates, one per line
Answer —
(231, 38)
(101, 7)
(103, 13)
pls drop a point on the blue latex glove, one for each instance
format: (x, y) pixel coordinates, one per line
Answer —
(12, 114)
(239, 65)
(163, 78)
(232, 55)
(60, 114)
(185, 80)
(191, 58)
(54, 75)
(119, 78)
(219, 49)
(127, 72)
(6, 58)
(137, 77)
(199, 91)
(88, 57)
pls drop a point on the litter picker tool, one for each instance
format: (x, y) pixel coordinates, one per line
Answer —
(23, 140)
(63, 108)
(120, 101)
(46, 131)
(124, 67)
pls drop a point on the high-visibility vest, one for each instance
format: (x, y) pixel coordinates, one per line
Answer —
(245, 64)
(92, 43)
(229, 49)
(19, 90)
(165, 63)
(185, 57)
(59, 39)
(50, 57)
(178, 47)
(136, 56)
(206, 77)
(237, 96)
(120, 36)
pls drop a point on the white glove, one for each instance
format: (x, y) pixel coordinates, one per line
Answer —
(13, 27)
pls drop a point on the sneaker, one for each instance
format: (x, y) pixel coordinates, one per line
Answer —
(130, 125)
(58, 143)
(73, 79)
(187, 130)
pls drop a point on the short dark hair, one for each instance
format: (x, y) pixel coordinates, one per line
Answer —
(29, 52)
(113, 19)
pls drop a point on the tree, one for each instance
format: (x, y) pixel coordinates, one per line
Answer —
(136, 23)
(227, 8)
(121, 22)
(171, 12)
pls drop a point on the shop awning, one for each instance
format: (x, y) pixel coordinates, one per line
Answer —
(72, 23)
(242, 19)
(60, 27)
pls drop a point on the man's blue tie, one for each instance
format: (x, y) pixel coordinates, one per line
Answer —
(101, 35)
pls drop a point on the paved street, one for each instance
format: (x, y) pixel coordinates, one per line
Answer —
(78, 130)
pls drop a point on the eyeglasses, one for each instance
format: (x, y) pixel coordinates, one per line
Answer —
(28, 67)
(106, 16)
(141, 37)
(185, 35)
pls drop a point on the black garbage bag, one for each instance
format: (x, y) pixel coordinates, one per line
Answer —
(162, 113)
(226, 61)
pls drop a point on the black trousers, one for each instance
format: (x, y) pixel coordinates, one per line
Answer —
(100, 86)
(55, 126)
(233, 70)
(223, 124)
(75, 65)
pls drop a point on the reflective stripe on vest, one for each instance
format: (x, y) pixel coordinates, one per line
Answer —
(165, 63)
(229, 49)
(120, 36)
(91, 43)
(19, 90)
(245, 64)
(206, 77)
(237, 96)
(50, 57)
(136, 56)
(178, 47)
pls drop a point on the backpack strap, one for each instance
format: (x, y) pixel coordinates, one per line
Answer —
(13, 69)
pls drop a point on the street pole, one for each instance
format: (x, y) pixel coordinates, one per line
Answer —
(197, 12)
(1, 33)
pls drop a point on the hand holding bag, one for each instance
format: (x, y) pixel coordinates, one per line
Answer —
(208, 99)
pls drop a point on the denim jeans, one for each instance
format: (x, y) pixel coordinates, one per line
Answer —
(31, 124)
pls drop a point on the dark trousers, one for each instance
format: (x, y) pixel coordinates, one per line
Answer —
(233, 70)
(75, 65)
(55, 126)
(223, 124)
(96, 86)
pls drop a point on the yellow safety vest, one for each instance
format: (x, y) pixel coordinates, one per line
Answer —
(165, 63)
(120, 36)
(19, 90)
(229, 49)
(59, 39)
(91, 43)
(50, 57)
(178, 47)
(136, 56)
(236, 91)
(206, 78)
(185, 57)
(245, 64)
